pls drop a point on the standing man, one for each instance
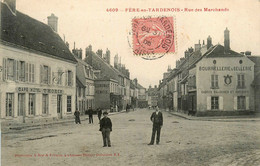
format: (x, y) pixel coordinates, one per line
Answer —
(157, 119)
(99, 114)
(90, 115)
(106, 128)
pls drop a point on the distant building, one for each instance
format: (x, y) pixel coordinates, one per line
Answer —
(152, 96)
(85, 84)
(212, 80)
(38, 71)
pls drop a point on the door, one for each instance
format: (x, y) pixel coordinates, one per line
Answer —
(59, 106)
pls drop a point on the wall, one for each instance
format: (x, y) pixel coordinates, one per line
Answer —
(226, 92)
(36, 59)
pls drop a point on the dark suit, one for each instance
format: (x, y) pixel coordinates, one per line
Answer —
(106, 128)
(157, 120)
(90, 115)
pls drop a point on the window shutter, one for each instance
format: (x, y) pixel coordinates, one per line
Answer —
(17, 71)
(49, 75)
(66, 78)
(247, 102)
(220, 102)
(72, 78)
(14, 70)
(54, 79)
(235, 103)
(32, 72)
(41, 73)
(4, 69)
(26, 72)
(208, 102)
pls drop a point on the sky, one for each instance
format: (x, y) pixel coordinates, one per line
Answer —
(87, 22)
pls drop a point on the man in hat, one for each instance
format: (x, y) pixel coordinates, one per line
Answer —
(157, 119)
(106, 128)
(90, 115)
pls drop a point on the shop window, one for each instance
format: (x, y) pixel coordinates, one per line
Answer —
(68, 103)
(241, 81)
(241, 102)
(21, 104)
(9, 104)
(214, 81)
(214, 103)
(45, 103)
(32, 103)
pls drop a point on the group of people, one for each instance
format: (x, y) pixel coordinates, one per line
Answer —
(106, 125)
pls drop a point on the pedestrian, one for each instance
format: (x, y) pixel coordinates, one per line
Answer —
(77, 118)
(99, 114)
(90, 115)
(116, 108)
(127, 107)
(157, 119)
(106, 128)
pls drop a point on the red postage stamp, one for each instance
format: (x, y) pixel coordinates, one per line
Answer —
(153, 36)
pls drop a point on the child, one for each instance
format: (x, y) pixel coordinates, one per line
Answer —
(77, 119)
(106, 128)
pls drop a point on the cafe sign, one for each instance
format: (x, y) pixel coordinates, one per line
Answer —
(39, 90)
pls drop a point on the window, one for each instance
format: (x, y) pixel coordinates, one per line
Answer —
(10, 69)
(45, 74)
(32, 103)
(241, 102)
(31, 73)
(21, 104)
(214, 103)
(21, 71)
(9, 104)
(214, 81)
(70, 76)
(45, 103)
(240, 81)
(68, 103)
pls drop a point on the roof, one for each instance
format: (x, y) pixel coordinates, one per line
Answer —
(80, 83)
(26, 32)
(255, 59)
(140, 86)
(219, 51)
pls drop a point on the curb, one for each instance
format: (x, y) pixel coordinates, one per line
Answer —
(15, 129)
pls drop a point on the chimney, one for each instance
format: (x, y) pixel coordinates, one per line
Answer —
(108, 56)
(191, 50)
(169, 68)
(68, 45)
(53, 22)
(197, 46)
(209, 42)
(11, 4)
(116, 61)
(186, 53)
(155, 86)
(248, 53)
(226, 40)
(99, 52)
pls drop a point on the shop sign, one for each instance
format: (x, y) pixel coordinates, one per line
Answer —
(39, 90)
(224, 91)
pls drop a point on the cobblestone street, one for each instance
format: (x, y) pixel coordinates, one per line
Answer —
(183, 142)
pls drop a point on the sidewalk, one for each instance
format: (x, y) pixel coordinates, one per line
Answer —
(18, 127)
(217, 118)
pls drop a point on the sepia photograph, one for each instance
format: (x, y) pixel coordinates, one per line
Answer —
(139, 83)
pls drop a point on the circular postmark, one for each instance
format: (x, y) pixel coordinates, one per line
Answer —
(153, 37)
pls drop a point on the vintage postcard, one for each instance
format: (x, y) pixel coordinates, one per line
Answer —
(141, 82)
